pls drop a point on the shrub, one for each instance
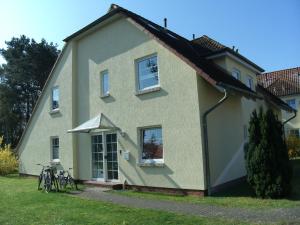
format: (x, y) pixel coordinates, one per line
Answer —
(293, 146)
(268, 170)
(8, 161)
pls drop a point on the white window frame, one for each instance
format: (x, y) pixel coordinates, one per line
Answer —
(238, 72)
(102, 73)
(150, 161)
(52, 148)
(137, 61)
(251, 83)
(51, 103)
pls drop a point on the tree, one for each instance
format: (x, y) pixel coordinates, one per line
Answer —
(23, 76)
(267, 164)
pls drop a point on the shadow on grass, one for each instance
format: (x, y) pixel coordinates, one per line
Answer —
(243, 189)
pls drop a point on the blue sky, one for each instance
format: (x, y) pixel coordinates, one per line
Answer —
(265, 31)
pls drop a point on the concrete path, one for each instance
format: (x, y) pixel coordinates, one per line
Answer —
(290, 215)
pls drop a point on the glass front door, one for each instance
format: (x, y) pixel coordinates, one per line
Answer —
(105, 157)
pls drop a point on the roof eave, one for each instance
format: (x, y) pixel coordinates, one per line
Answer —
(228, 50)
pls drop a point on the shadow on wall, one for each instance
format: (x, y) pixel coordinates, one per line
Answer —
(164, 171)
(108, 99)
(156, 94)
(113, 40)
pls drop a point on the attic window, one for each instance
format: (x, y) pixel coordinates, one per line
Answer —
(153, 27)
(171, 35)
(292, 103)
(236, 74)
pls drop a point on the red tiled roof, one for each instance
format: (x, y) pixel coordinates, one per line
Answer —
(281, 82)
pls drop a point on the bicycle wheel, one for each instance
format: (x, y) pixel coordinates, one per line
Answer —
(62, 182)
(71, 182)
(40, 179)
(47, 183)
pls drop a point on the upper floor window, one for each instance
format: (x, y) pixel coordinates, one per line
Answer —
(249, 82)
(152, 144)
(292, 103)
(105, 83)
(55, 98)
(236, 74)
(55, 148)
(147, 73)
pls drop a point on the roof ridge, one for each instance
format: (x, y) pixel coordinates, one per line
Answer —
(210, 39)
(276, 71)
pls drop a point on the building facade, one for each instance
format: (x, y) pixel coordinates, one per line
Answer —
(131, 102)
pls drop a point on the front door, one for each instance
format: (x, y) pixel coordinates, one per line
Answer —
(105, 157)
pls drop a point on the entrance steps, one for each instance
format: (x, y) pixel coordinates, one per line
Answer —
(108, 185)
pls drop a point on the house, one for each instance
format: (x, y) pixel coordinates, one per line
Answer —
(285, 84)
(131, 102)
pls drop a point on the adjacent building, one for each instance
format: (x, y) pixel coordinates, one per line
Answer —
(285, 84)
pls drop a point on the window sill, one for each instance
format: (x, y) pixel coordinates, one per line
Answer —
(55, 162)
(151, 164)
(54, 111)
(150, 90)
(105, 96)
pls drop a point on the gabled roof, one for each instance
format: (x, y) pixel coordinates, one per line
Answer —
(182, 47)
(273, 99)
(207, 46)
(281, 82)
(210, 47)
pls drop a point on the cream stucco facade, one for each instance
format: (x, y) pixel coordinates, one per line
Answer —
(176, 106)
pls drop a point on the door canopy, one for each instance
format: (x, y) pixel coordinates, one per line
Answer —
(100, 122)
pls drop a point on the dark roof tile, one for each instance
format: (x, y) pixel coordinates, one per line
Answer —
(281, 82)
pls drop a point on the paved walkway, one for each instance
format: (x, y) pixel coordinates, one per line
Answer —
(291, 215)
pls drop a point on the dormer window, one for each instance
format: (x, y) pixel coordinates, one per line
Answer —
(249, 82)
(236, 74)
(292, 103)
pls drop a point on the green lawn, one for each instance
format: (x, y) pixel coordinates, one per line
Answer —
(21, 203)
(238, 196)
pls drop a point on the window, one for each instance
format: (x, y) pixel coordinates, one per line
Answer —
(292, 103)
(104, 83)
(236, 74)
(147, 73)
(55, 148)
(250, 82)
(294, 132)
(55, 98)
(152, 145)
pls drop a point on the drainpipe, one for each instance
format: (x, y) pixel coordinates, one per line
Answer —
(285, 122)
(205, 136)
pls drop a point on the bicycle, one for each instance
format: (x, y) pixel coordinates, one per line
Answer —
(41, 176)
(65, 180)
(47, 176)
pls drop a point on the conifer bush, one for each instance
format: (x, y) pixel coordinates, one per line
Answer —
(268, 169)
(8, 161)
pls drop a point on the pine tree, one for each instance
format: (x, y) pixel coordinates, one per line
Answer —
(267, 164)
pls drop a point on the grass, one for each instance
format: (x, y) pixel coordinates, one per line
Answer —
(239, 196)
(21, 203)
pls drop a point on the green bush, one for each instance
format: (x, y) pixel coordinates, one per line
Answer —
(8, 161)
(268, 169)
